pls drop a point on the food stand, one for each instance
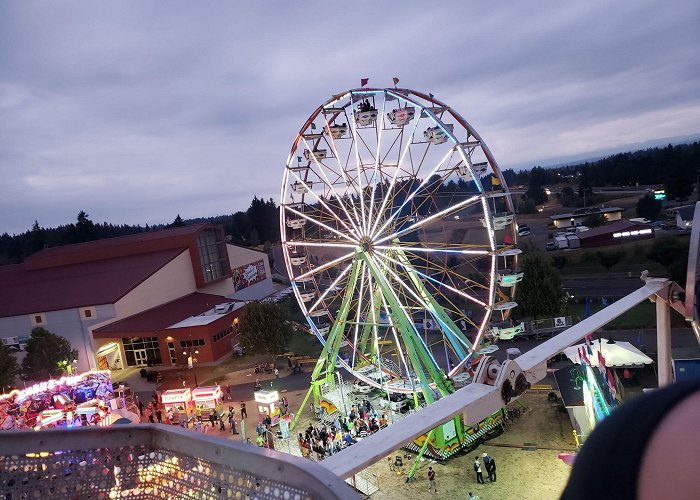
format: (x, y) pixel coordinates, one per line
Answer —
(178, 402)
(208, 398)
(267, 405)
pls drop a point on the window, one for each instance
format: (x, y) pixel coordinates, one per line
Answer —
(141, 351)
(191, 343)
(87, 313)
(222, 334)
(37, 319)
(212, 254)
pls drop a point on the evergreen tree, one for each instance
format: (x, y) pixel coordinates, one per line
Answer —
(540, 293)
(46, 354)
(9, 368)
(264, 329)
(648, 207)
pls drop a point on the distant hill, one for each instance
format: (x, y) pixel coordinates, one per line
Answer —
(590, 157)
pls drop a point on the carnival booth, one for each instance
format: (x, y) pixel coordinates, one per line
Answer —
(208, 398)
(267, 402)
(178, 402)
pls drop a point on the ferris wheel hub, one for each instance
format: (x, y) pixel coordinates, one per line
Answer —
(366, 244)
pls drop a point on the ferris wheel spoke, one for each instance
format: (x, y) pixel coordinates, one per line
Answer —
(324, 204)
(331, 287)
(395, 335)
(458, 336)
(359, 168)
(432, 250)
(341, 203)
(393, 179)
(409, 268)
(348, 183)
(324, 267)
(321, 224)
(360, 309)
(411, 196)
(430, 218)
(373, 179)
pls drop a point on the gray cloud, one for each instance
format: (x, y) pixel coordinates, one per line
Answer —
(135, 112)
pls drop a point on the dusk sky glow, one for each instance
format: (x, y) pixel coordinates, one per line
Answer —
(138, 111)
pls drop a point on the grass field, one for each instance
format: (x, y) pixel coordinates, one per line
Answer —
(641, 316)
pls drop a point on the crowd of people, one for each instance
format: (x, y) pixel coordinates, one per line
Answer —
(322, 440)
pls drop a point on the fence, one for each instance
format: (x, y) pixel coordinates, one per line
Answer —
(152, 461)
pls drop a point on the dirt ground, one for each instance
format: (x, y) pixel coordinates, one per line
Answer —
(526, 460)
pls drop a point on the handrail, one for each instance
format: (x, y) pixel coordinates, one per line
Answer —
(152, 460)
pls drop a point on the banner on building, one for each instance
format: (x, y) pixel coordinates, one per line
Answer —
(249, 274)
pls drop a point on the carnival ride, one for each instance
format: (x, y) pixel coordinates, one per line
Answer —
(399, 238)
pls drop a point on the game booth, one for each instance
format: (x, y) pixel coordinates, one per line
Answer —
(86, 399)
(178, 403)
(208, 398)
(268, 402)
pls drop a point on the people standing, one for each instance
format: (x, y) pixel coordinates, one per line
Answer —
(277, 373)
(472, 496)
(212, 417)
(490, 465)
(244, 413)
(431, 479)
(159, 415)
(477, 469)
(222, 427)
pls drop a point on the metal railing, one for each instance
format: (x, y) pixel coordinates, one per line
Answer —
(154, 461)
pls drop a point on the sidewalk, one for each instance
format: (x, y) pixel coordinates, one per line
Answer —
(240, 381)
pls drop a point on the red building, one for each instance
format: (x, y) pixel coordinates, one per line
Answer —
(134, 299)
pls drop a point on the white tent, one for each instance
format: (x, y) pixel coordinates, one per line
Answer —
(617, 355)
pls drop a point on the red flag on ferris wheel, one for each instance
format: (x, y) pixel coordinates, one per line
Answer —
(363, 81)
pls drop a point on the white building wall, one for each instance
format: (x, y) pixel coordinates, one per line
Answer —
(173, 281)
(240, 256)
(67, 323)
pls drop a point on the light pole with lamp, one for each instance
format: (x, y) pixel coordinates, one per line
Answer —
(191, 361)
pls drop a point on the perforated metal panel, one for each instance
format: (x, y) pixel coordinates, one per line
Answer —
(150, 471)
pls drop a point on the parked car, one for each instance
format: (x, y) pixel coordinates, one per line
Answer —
(397, 402)
(362, 387)
(551, 246)
(524, 230)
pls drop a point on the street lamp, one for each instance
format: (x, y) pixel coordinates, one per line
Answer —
(191, 361)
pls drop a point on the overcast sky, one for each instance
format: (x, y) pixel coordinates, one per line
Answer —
(138, 111)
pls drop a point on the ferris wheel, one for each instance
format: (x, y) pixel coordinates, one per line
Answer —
(399, 238)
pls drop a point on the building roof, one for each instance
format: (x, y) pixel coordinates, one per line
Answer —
(585, 212)
(177, 237)
(168, 315)
(26, 291)
(613, 227)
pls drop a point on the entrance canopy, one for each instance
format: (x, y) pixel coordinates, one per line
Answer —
(617, 355)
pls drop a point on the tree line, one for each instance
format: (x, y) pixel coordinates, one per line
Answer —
(254, 226)
(675, 167)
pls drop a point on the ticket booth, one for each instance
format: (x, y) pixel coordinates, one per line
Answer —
(267, 402)
(208, 398)
(177, 401)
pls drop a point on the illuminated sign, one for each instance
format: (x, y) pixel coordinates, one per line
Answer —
(176, 395)
(625, 234)
(204, 393)
(50, 385)
(659, 194)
